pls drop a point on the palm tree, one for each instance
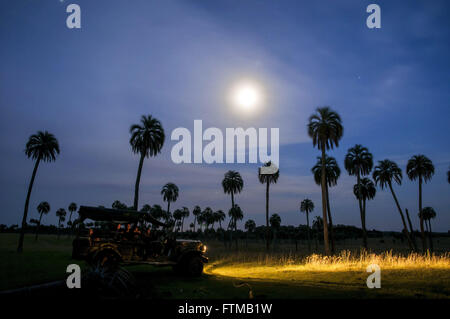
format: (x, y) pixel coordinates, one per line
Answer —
(325, 129)
(384, 173)
(275, 222)
(170, 194)
(250, 225)
(61, 214)
(177, 216)
(207, 216)
(235, 214)
(147, 139)
(72, 208)
(428, 214)
(43, 209)
(157, 212)
(359, 162)
(185, 213)
(232, 183)
(364, 191)
(268, 179)
(422, 168)
(332, 173)
(146, 208)
(197, 211)
(307, 206)
(42, 146)
(219, 217)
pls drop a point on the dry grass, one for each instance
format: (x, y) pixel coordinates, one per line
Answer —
(274, 267)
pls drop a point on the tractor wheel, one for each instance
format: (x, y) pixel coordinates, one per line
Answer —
(194, 266)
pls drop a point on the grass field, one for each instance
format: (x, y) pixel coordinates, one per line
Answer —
(282, 273)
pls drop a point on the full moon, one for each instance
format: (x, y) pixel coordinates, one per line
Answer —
(246, 96)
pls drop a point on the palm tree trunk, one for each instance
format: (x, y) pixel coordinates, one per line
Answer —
(413, 237)
(430, 234)
(168, 209)
(235, 230)
(330, 219)
(267, 216)
(422, 232)
(195, 220)
(362, 212)
(182, 224)
(410, 242)
(25, 211)
(324, 205)
(138, 180)
(231, 220)
(37, 228)
(307, 231)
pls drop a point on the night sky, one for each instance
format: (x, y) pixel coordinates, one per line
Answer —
(177, 59)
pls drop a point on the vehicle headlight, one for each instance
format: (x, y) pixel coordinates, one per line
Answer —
(203, 248)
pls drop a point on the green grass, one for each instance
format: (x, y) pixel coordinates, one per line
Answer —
(47, 259)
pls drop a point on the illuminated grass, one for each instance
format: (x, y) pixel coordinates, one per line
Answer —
(289, 267)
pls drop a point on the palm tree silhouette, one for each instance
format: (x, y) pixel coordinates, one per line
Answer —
(364, 191)
(42, 146)
(332, 173)
(219, 216)
(359, 162)
(170, 194)
(325, 129)
(428, 214)
(207, 215)
(43, 208)
(232, 183)
(307, 206)
(72, 208)
(384, 173)
(197, 211)
(250, 225)
(422, 168)
(268, 179)
(177, 216)
(61, 214)
(147, 139)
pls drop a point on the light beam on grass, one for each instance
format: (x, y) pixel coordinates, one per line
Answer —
(278, 268)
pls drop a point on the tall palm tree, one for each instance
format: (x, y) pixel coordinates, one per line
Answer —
(275, 223)
(219, 217)
(61, 214)
(147, 140)
(332, 173)
(232, 183)
(268, 179)
(384, 173)
(428, 214)
(422, 168)
(170, 194)
(364, 191)
(307, 206)
(42, 146)
(207, 216)
(43, 209)
(197, 211)
(359, 162)
(185, 214)
(325, 128)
